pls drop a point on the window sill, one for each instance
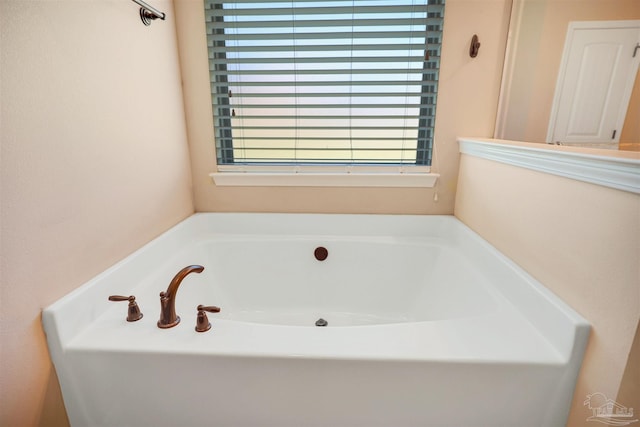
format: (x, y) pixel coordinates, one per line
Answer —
(415, 176)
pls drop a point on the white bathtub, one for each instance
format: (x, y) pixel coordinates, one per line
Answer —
(428, 325)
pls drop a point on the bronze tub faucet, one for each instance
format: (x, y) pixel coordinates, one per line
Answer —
(168, 316)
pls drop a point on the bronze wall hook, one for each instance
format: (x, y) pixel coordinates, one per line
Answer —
(474, 48)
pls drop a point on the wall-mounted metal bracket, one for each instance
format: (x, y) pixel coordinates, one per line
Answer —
(148, 13)
(475, 46)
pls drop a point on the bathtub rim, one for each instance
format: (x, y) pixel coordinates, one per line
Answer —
(61, 325)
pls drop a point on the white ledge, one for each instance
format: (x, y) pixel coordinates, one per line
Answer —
(310, 176)
(614, 170)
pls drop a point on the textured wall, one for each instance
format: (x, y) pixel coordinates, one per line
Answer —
(580, 240)
(94, 164)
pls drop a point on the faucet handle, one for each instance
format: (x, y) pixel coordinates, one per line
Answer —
(134, 311)
(202, 323)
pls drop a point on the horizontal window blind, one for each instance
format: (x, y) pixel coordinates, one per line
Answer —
(324, 82)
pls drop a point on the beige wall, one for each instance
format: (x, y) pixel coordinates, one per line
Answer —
(582, 241)
(467, 99)
(630, 136)
(94, 164)
(629, 392)
(537, 51)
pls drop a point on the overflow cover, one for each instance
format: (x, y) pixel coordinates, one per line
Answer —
(321, 253)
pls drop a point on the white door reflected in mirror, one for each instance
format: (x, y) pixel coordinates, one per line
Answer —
(597, 73)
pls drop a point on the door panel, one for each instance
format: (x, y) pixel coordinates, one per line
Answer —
(595, 82)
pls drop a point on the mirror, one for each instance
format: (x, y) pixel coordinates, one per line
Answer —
(534, 53)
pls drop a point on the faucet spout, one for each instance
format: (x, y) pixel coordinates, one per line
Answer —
(168, 316)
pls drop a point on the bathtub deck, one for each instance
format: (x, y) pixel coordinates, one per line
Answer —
(503, 337)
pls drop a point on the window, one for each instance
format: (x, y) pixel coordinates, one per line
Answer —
(335, 82)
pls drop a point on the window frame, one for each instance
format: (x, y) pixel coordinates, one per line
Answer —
(328, 174)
